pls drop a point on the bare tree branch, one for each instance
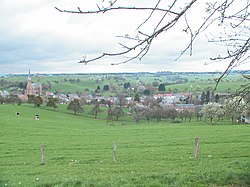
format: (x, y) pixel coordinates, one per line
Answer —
(231, 19)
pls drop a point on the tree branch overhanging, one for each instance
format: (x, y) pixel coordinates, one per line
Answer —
(224, 13)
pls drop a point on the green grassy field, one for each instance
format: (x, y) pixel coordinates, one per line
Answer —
(195, 83)
(79, 151)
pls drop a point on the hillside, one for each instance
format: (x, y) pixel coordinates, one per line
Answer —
(175, 82)
(79, 151)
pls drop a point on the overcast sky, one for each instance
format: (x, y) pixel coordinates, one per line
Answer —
(35, 36)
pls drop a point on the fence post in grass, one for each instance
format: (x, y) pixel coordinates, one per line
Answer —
(43, 155)
(114, 151)
(196, 148)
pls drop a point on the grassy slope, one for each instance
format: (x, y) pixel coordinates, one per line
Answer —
(79, 151)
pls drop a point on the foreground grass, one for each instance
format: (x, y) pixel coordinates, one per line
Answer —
(79, 151)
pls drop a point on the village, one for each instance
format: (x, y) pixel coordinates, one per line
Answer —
(187, 104)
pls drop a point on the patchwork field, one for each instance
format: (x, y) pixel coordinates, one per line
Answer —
(79, 151)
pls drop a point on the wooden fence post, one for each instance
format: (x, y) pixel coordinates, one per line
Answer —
(114, 151)
(196, 148)
(43, 155)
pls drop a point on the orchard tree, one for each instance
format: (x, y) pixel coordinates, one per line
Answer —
(228, 20)
(197, 112)
(211, 111)
(75, 106)
(52, 103)
(234, 108)
(138, 112)
(38, 101)
(31, 98)
(95, 110)
(117, 113)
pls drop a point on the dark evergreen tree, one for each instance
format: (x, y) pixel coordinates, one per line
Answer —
(203, 98)
(208, 97)
(217, 97)
(161, 88)
(146, 92)
(105, 87)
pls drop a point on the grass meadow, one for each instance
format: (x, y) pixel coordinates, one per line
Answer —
(79, 151)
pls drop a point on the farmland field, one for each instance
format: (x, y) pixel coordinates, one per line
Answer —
(81, 83)
(79, 151)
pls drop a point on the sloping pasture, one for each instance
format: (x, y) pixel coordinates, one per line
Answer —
(79, 151)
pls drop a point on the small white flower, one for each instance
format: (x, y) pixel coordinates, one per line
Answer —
(19, 182)
(6, 184)
(209, 156)
(37, 178)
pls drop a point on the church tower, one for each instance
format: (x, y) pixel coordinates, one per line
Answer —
(29, 87)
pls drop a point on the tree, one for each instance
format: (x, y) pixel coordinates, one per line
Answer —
(38, 101)
(147, 113)
(234, 108)
(217, 97)
(203, 98)
(208, 96)
(117, 112)
(75, 106)
(140, 89)
(21, 85)
(146, 92)
(197, 112)
(126, 85)
(13, 99)
(161, 88)
(158, 113)
(184, 114)
(31, 98)
(228, 18)
(137, 98)
(137, 112)
(121, 100)
(105, 87)
(211, 111)
(52, 103)
(170, 113)
(95, 110)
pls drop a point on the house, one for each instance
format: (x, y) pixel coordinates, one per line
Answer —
(182, 107)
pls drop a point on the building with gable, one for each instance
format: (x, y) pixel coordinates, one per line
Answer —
(33, 88)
